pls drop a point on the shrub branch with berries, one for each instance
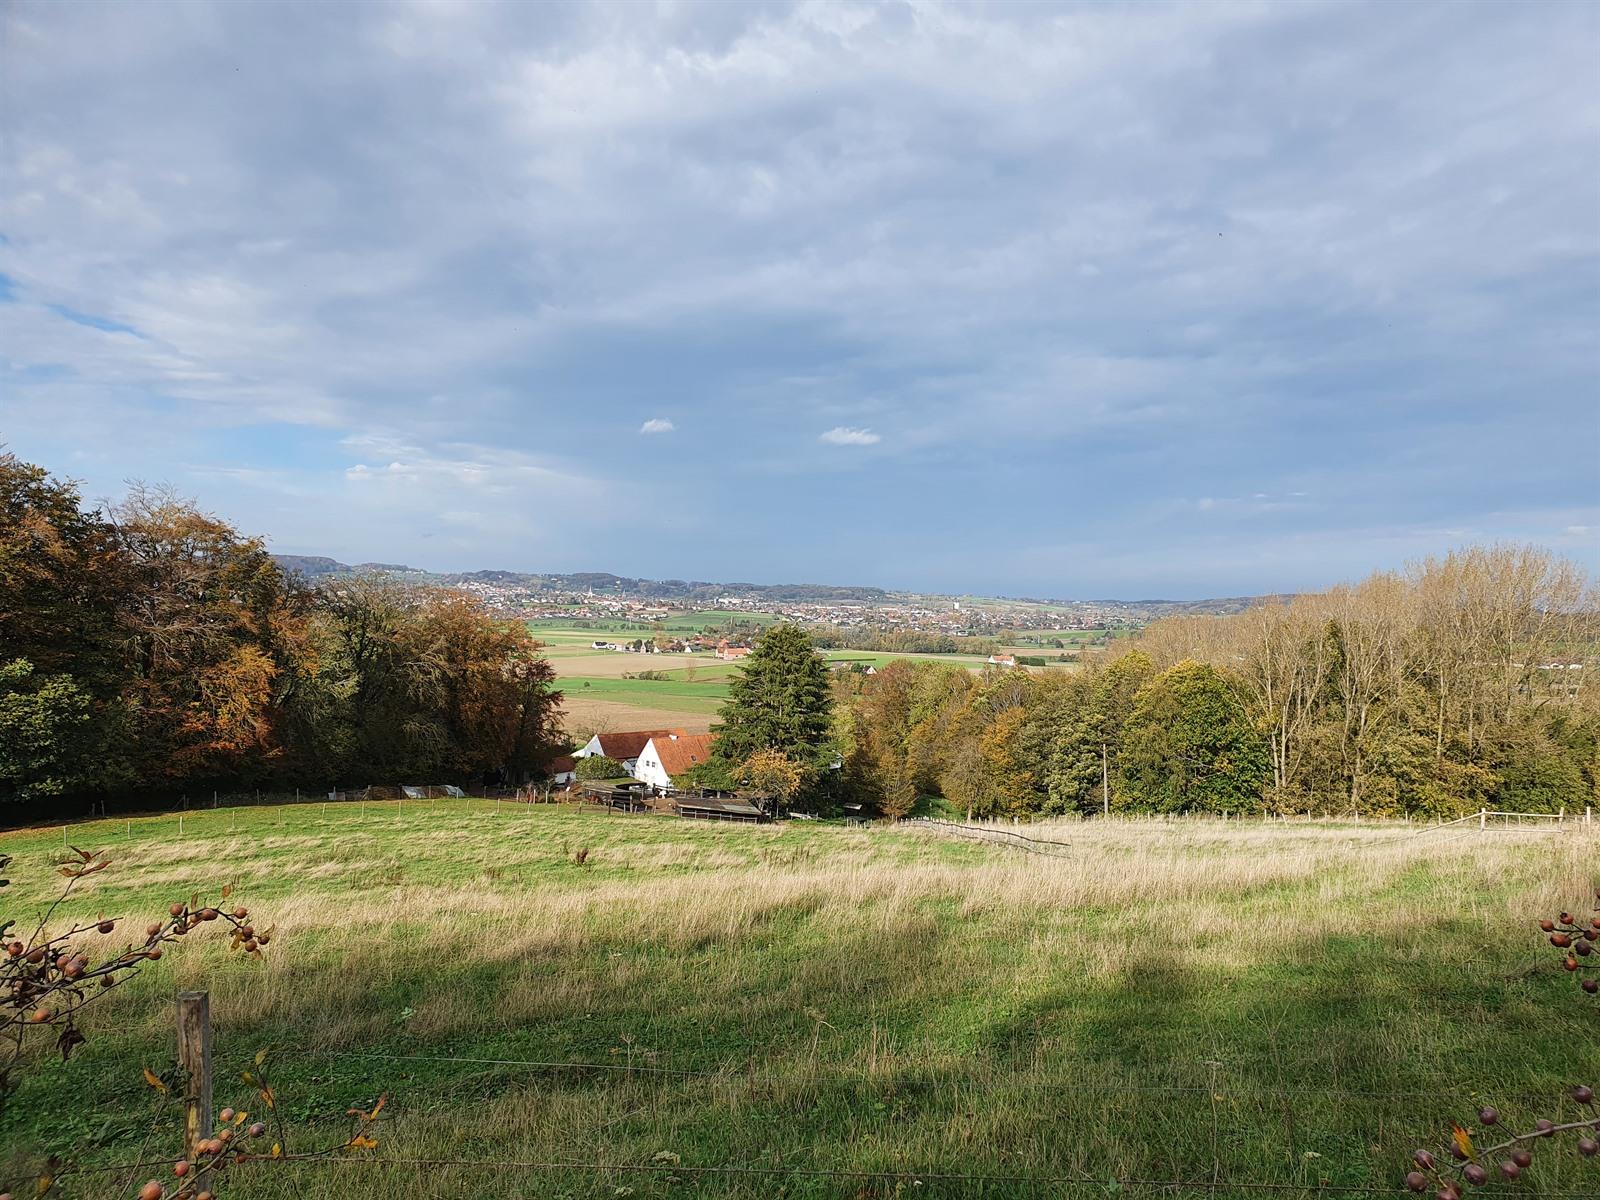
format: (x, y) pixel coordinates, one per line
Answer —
(233, 1141)
(1577, 938)
(48, 979)
(1463, 1164)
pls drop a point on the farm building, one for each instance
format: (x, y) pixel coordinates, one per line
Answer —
(664, 759)
(1003, 660)
(716, 809)
(730, 652)
(624, 747)
(563, 769)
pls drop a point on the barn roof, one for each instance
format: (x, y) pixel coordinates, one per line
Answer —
(734, 808)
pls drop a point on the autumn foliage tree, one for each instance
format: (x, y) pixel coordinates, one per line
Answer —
(154, 647)
(1460, 683)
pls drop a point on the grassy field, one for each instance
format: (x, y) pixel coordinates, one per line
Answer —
(598, 698)
(742, 1010)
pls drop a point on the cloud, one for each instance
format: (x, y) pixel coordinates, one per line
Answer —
(657, 425)
(844, 435)
(1075, 257)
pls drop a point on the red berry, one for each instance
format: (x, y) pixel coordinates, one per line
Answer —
(1591, 986)
(1547, 925)
(176, 910)
(1544, 1126)
(150, 1191)
(1423, 1159)
(1510, 1169)
(1488, 1115)
(1473, 1173)
(180, 1169)
(106, 926)
(1582, 1094)
(1560, 939)
(1588, 1147)
(1417, 1181)
(1523, 1159)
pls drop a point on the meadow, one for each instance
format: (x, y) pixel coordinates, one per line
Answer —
(598, 698)
(643, 1006)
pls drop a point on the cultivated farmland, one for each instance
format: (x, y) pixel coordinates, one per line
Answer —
(1184, 1009)
(599, 698)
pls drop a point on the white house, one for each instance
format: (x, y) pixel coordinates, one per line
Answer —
(624, 747)
(666, 757)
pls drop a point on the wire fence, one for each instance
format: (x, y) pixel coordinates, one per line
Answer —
(603, 1166)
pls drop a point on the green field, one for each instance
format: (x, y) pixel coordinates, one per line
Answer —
(763, 1011)
(597, 697)
(703, 695)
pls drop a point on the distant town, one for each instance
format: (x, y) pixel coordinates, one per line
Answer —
(614, 600)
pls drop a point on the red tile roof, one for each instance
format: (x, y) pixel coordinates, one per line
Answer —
(623, 746)
(679, 753)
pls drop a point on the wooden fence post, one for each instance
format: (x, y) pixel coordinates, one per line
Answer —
(194, 1056)
(1483, 818)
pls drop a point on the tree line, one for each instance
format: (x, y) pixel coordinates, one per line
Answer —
(1460, 683)
(897, 641)
(153, 648)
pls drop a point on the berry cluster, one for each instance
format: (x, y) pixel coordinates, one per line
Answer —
(231, 1142)
(1507, 1159)
(1577, 939)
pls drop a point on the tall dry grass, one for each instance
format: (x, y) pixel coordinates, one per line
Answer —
(967, 999)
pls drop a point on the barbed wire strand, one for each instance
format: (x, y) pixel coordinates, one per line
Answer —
(671, 1168)
(740, 1070)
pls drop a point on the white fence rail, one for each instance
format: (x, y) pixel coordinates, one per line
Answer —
(1489, 820)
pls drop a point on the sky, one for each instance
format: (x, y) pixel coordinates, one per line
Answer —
(1077, 300)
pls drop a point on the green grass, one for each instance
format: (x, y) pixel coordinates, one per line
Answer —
(702, 695)
(1193, 1002)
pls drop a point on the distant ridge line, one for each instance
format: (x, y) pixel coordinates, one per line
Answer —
(314, 567)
